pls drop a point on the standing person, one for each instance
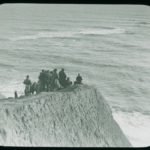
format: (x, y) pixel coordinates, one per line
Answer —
(46, 80)
(38, 87)
(54, 76)
(62, 78)
(42, 80)
(16, 95)
(78, 79)
(50, 80)
(27, 83)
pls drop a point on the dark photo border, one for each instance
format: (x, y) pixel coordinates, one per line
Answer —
(132, 2)
(139, 2)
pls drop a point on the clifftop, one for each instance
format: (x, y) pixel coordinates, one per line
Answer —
(77, 116)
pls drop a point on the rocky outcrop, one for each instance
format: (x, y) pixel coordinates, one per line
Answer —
(78, 116)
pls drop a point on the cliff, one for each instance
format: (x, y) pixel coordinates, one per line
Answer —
(73, 117)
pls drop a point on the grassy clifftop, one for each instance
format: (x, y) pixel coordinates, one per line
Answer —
(77, 116)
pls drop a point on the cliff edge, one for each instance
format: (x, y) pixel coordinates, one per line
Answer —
(78, 116)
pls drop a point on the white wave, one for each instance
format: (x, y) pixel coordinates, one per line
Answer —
(135, 125)
(103, 31)
(44, 35)
(61, 34)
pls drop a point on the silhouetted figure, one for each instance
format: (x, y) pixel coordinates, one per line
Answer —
(62, 78)
(34, 88)
(47, 77)
(54, 76)
(38, 87)
(68, 82)
(27, 83)
(57, 85)
(16, 95)
(78, 79)
(42, 80)
(50, 80)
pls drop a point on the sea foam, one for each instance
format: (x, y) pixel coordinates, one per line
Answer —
(135, 125)
(63, 34)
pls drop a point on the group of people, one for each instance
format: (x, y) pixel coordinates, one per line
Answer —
(49, 81)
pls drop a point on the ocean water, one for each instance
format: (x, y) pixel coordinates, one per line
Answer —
(107, 44)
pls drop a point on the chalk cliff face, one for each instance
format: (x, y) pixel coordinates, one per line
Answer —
(74, 117)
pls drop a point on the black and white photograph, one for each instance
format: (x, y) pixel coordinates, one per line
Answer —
(74, 75)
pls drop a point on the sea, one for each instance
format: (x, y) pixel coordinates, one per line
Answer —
(109, 45)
